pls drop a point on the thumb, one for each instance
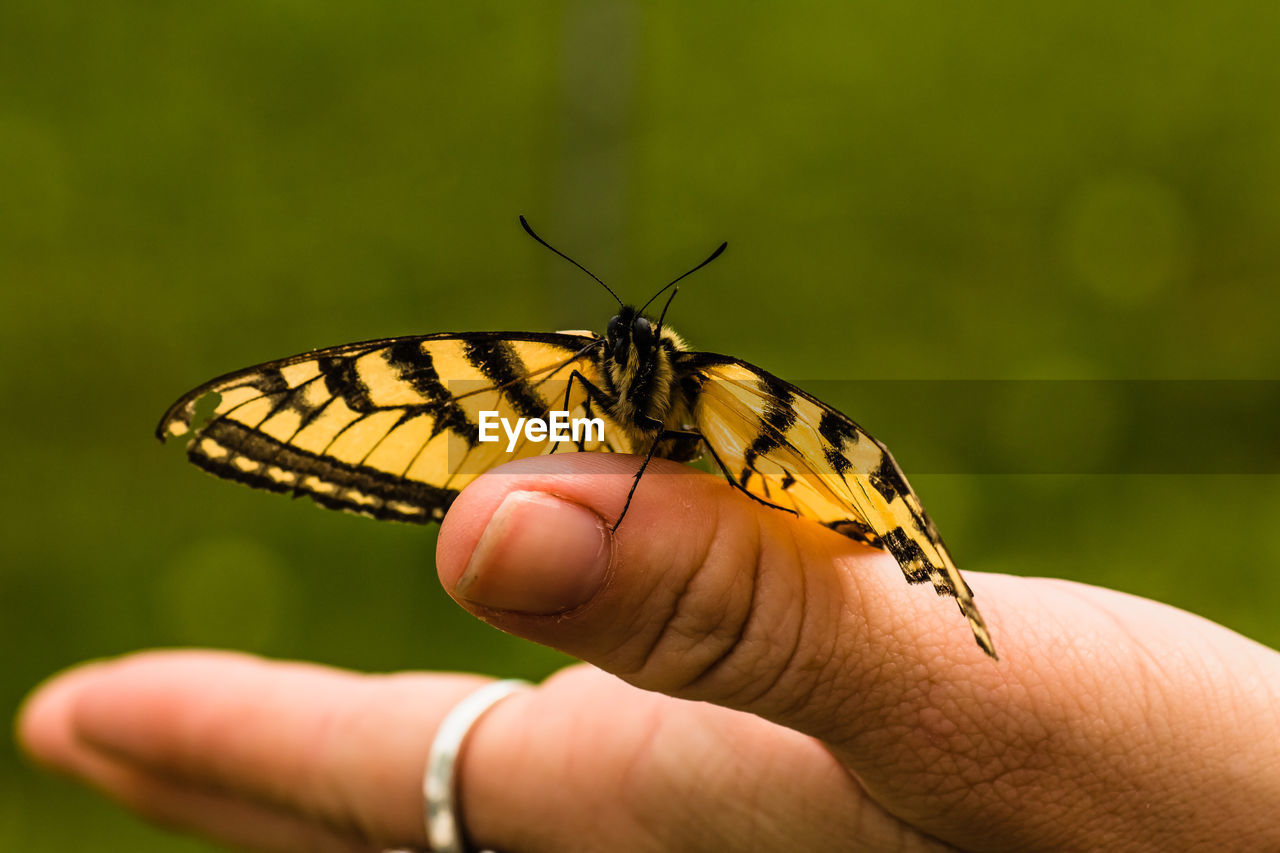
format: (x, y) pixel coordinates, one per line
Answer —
(701, 593)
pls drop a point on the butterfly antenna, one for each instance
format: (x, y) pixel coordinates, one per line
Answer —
(524, 223)
(670, 299)
(709, 259)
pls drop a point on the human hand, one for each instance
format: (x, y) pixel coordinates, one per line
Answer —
(838, 707)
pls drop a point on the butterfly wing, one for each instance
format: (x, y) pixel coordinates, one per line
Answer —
(387, 428)
(794, 451)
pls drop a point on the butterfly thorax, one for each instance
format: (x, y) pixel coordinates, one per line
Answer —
(639, 365)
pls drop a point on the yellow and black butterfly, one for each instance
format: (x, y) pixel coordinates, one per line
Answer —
(391, 428)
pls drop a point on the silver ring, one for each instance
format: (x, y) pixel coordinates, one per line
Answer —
(440, 781)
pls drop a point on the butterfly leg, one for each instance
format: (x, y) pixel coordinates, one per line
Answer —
(690, 433)
(592, 393)
(635, 483)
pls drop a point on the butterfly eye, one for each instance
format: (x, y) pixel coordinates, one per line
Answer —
(642, 332)
(614, 329)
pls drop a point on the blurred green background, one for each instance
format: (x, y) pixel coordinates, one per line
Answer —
(910, 191)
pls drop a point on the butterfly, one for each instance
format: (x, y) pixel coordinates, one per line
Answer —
(393, 428)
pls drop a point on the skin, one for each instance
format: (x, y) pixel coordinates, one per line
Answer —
(839, 709)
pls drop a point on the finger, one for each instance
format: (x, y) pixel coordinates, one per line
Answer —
(201, 742)
(280, 747)
(48, 729)
(220, 817)
(702, 593)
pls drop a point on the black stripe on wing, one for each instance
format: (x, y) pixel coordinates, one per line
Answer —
(502, 366)
(412, 362)
(236, 452)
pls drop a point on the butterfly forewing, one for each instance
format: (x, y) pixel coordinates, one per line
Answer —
(387, 428)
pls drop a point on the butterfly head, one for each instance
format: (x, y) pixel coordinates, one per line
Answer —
(630, 336)
(635, 348)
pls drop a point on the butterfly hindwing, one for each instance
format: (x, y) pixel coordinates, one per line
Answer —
(789, 449)
(386, 428)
